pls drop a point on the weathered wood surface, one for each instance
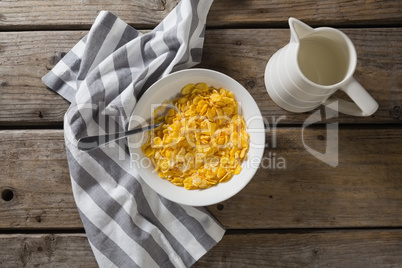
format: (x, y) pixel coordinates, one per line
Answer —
(363, 190)
(363, 193)
(80, 14)
(25, 57)
(241, 53)
(350, 249)
(35, 181)
(45, 250)
(357, 248)
(292, 188)
(34, 184)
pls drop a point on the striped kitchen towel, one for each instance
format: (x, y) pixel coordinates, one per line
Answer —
(103, 76)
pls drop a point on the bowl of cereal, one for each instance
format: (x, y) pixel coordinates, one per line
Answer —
(210, 142)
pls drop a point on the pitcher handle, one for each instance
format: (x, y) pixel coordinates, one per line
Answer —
(364, 104)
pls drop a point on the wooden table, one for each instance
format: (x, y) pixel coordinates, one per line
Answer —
(306, 214)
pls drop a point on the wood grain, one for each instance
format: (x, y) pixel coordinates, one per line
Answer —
(363, 189)
(357, 248)
(35, 178)
(298, 211)
(46, 250)
(316, 13)
(351, 248)
(25, 57)
(243, 53)
(80, 14)
(291, 189)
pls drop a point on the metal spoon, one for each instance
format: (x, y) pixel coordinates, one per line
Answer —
(92, 142)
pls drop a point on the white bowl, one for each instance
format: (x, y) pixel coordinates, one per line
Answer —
(167, 88)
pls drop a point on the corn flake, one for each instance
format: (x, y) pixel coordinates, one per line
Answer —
(203, 139)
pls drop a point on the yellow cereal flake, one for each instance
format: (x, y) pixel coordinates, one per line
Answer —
(203, 140)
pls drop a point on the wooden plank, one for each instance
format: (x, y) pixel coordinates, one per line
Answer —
(243, 53)
(24, 59)
(340, 248)
(46, 250)
(291, 189)
(78, 14)
(357, 248)
(35, 181)
(294, 189)
(57, 14)
(316, 13)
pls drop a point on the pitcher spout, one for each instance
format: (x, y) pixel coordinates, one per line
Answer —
(298, 30)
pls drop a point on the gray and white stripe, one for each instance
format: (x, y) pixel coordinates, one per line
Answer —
(103, 76)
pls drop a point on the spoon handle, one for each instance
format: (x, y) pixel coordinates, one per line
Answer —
(92, 142)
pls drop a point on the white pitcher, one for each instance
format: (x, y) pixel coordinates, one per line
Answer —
(317, 62)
